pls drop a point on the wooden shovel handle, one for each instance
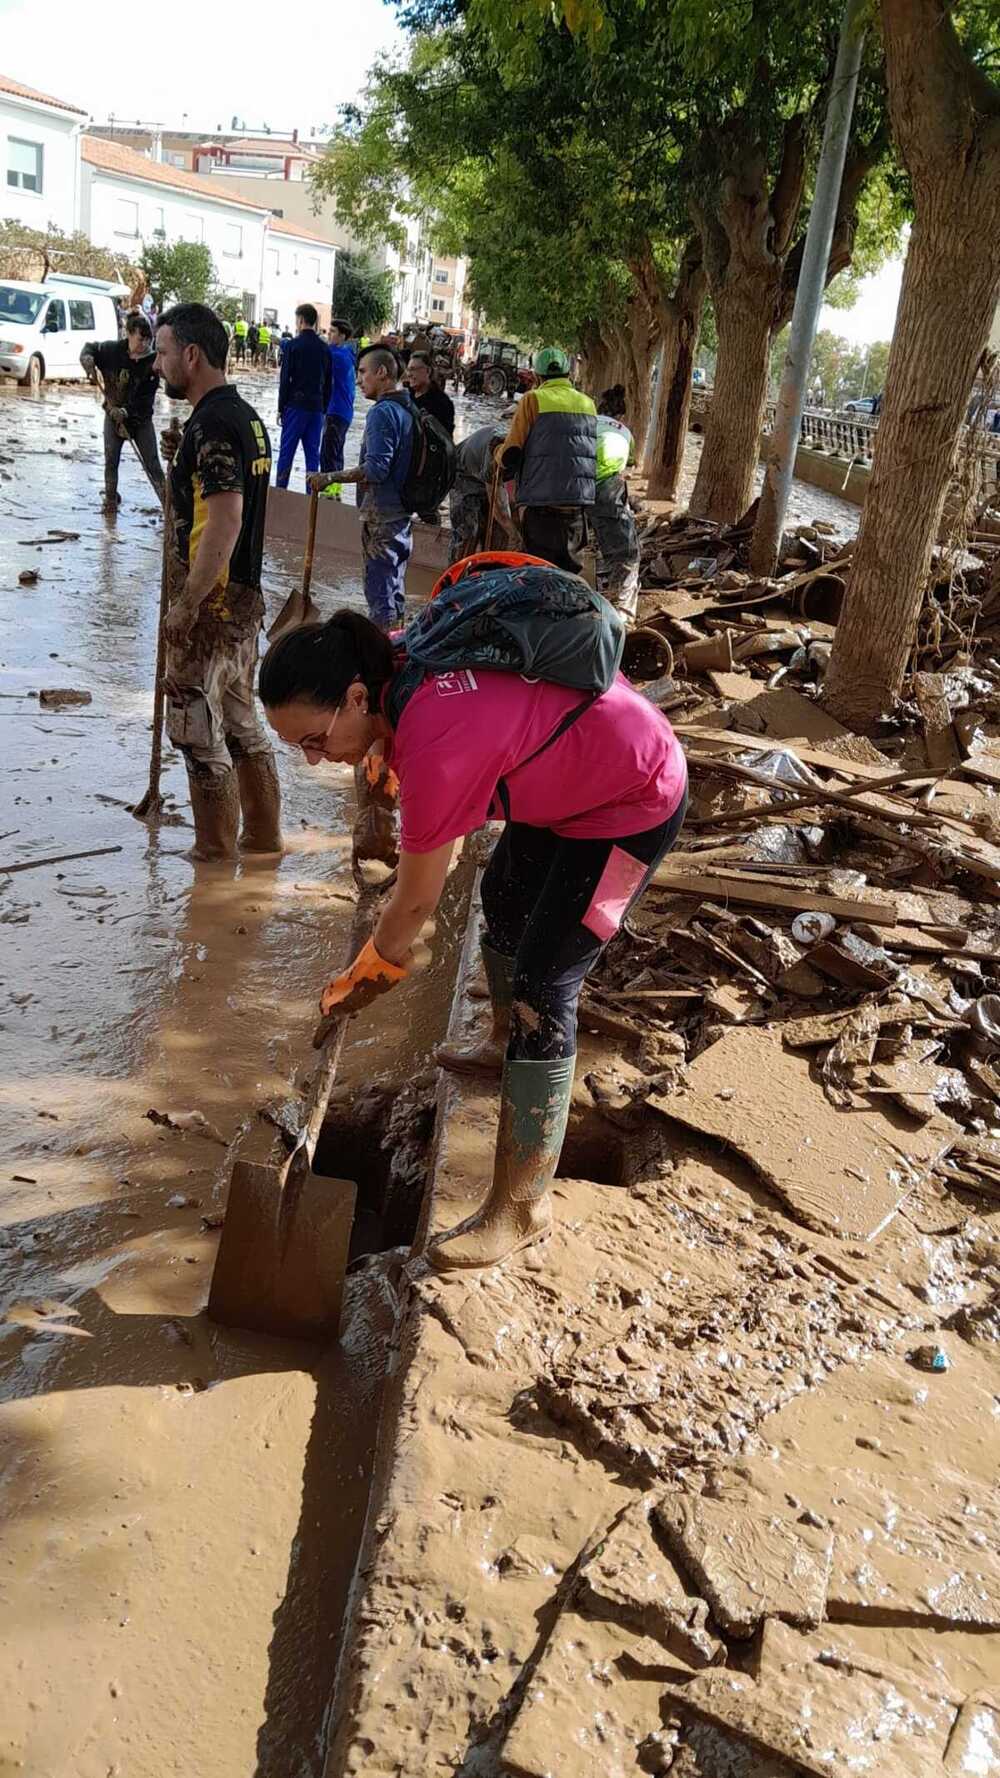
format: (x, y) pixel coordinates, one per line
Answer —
(307, 566)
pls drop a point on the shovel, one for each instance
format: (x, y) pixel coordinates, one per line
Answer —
(151, 803)
(123, 432)
(283, 1253)
(299, 608)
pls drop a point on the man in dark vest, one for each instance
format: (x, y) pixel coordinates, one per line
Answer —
(551, 448)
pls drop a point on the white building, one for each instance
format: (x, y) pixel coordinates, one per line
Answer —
(121, 198)
(40, 156)
(126, 199)
(447, 291)
(299, 265)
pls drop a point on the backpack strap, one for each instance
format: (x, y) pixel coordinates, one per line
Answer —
(565, 722)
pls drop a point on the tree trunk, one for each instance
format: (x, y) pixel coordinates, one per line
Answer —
(744, 314)
(600, 359)
(637, 377)
(947, 303)
(946, 119)
(681, 326)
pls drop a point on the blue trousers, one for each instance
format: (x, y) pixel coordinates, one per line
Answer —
(298, 426)
(332, 453)
(386, 544)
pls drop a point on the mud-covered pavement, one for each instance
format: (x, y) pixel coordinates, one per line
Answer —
(181, 1505)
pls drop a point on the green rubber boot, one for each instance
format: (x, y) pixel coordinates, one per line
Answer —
(485, 1057)
(534, 1108)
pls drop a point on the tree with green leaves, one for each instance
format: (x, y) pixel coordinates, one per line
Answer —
(838, 371)
(178, 271)
(362, 294)
(570, 148)
(944, 102)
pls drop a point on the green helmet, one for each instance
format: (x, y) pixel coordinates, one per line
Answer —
(551, 361)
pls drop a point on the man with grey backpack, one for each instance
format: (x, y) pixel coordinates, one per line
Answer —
(407, 466)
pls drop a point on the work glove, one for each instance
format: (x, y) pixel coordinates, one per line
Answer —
(89, 363)
(362, 982)
(380, 779)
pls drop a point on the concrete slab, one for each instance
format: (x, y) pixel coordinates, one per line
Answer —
(844, 1173)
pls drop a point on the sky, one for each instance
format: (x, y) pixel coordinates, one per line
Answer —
(203, 60)
(874, 313)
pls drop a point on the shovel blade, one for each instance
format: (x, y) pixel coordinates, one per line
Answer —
(299, 608)
(288, 1283)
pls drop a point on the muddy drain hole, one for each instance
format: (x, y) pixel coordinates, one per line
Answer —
(592, 1150)
(380, 1137)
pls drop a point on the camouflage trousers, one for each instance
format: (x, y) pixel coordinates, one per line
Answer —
(211, 710)
(469, 517)
(619, 545)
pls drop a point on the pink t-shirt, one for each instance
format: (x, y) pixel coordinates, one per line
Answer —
(619, 769)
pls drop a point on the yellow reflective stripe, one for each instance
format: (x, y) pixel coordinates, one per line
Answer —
(558, 396)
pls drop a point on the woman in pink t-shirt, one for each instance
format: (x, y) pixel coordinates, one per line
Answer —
(589, 813)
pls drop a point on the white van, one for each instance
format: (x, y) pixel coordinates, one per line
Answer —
(44, 328)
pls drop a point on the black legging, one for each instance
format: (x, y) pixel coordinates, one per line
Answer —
(553, 904)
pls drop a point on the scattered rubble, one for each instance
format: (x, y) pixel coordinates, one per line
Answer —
(56, 697)
(775, 1327)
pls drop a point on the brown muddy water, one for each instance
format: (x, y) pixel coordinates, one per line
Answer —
(181, 1504)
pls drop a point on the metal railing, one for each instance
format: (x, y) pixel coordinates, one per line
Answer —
(846, 435)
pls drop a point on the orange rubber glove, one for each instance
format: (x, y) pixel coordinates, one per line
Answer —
(381, 780)
(362, 982)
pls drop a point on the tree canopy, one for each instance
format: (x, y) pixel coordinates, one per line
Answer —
(362, 294)
(178, 271)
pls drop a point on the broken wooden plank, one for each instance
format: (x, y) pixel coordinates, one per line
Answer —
(841, 1173)
(785, 712)
(732, 740)
(935, 712)
(736, 688)
(58, 858)
(733, 886)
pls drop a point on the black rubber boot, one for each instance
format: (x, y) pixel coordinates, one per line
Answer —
(260, 800)
(534, 1108)
(215, 805)
(485, 1057)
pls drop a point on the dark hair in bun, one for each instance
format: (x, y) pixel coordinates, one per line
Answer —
(319, 661)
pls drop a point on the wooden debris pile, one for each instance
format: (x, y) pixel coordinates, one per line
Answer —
(825, 939)
(737, 629)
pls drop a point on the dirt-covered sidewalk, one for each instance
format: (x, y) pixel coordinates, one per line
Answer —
(706, 1482)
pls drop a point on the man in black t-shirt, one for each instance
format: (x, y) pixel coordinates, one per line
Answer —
(219, 477)
(130, 385)
(427, 394)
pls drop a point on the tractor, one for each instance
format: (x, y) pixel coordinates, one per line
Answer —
(499, 369)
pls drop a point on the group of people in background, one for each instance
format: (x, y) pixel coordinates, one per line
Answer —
(548, 485)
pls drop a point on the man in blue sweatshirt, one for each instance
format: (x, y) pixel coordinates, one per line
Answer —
(340, 407)
(386, 523)
(303, 392)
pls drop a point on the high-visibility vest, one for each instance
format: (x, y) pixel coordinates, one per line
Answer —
(263, 336)
(559, 465)
(240, 328)
(615, 447)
